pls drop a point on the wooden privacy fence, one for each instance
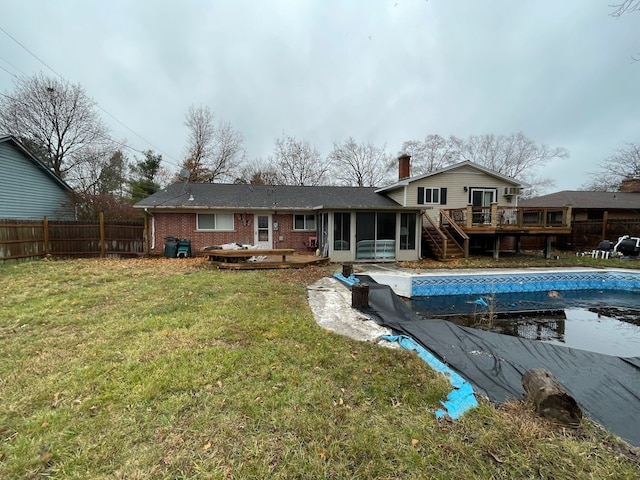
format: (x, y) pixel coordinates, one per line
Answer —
(587, 234)
(20, 239)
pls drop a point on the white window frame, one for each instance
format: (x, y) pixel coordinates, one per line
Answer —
(306, 226)
(435, 192)
(215, 222)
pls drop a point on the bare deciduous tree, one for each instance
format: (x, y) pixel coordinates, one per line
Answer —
(297, 162)
(257, 172)
(214, 151)
(514, 155)
(620, 9)
(433, 153)
(359, 164)
(624, 7)
(58, 121)
(623, 164)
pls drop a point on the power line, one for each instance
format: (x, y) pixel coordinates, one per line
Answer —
(2, 68)
(31, 53)
(11, 65)
(174, 161)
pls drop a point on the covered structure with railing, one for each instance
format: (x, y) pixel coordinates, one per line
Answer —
(459, 231)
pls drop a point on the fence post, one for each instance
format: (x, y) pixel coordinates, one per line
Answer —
(45, 234)
(605, 220)
(102, 240)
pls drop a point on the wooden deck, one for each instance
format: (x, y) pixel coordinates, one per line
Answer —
(266, 259)
(458, 227)
(494, 220)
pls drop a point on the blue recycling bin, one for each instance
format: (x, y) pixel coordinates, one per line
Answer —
(184, 248)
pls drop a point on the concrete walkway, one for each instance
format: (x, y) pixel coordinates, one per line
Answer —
(330, 302)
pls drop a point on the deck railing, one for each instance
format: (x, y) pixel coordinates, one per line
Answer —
(499, 216)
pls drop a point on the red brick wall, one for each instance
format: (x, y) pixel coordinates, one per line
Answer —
(183, 225)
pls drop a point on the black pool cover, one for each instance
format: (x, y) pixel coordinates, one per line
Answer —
(607, 388)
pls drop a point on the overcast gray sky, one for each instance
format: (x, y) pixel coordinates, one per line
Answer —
(323, 70)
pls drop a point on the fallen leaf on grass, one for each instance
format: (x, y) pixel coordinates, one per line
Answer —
(219, 383)
(207, 446)
(45, 425)
(414, 442)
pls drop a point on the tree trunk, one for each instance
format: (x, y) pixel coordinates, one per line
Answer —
(550, 398)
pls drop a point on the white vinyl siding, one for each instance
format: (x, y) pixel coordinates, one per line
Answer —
(455, 181)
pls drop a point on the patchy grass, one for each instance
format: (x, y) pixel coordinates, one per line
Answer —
(169, 369)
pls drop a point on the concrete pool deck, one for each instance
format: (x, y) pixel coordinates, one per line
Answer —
(425, 282)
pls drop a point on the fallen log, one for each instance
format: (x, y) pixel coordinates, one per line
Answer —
(550, 398)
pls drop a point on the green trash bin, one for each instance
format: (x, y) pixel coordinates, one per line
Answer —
(170, 247)
(184, 248)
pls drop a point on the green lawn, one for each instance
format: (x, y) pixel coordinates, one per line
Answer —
(162, 368)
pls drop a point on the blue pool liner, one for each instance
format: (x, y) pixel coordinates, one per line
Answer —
(459, 400)
(350, 280)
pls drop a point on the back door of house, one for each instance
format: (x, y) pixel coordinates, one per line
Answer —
(263, 231)
(481, 197)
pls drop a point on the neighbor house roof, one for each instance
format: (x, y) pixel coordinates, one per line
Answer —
(467, 163)
(280, 197)
(37, 162)
(583, 199)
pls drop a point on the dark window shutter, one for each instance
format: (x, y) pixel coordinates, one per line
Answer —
(420, 195)
(443, 196)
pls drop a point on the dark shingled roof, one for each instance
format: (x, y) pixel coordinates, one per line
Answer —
(582, 199)
(281, 197)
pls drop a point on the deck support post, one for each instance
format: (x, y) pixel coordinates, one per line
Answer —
(347, 270)
(360, 296)
(547, 248)
(496, 247)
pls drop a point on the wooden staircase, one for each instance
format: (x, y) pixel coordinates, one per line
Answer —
(440, 243)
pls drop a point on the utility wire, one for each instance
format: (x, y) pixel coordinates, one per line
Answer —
(174, 161)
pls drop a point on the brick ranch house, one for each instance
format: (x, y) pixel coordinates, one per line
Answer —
(341, 223)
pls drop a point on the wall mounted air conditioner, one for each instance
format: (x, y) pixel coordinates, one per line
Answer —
(508, 191)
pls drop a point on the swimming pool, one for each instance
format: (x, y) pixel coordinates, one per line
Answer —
(571, 307)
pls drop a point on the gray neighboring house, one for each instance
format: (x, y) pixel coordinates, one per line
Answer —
(587, 205)
(28, 189)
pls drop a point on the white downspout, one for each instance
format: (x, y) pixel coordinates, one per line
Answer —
(153, 229)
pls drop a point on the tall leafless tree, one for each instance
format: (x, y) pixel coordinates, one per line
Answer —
(58, 121)
(514, 155)
(297, 162)
(621, 165)
(433, 153)
(625, 7)
(257, 172)
(214, 151)
(359, 164)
